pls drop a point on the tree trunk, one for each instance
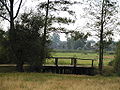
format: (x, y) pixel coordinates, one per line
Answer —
(45, 32)
(45, 27)
(101, 54)
(101, 48)
(12, 37)
(20, 66)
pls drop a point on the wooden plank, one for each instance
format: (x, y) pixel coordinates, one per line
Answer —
(56, 62)
(67, 66)
(75, 62)
(92, 63)
(68, 58)
(72, 61)
(60, 57)
(85, 59)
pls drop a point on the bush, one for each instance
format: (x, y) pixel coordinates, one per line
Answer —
(111, 63)
(117, 59)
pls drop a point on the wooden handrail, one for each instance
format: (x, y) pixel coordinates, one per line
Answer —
(70, 58)
(73, 60)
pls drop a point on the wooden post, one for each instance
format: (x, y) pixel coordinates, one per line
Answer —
(56, 62)
(75, 62)
(72, 61)
(92, 62)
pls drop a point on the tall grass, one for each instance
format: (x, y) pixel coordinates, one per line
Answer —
(37, 81)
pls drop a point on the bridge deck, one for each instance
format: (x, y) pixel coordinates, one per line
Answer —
(51, 65)
(68, 69)
(73, 68)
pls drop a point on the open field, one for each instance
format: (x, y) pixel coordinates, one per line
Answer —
(107, 58)
(48, 81)
(38, 81)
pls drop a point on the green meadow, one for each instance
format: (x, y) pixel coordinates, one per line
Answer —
(12, 80)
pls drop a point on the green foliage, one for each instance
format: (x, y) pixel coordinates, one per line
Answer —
(59, 5)
(4, 49)
(79, 35)
(29, 39)
(117, 59)
(111, 63)
(77, 40)
(56, 8)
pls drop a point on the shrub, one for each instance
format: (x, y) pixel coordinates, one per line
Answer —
(117, 59)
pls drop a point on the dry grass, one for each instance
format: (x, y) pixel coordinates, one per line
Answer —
(37, 81)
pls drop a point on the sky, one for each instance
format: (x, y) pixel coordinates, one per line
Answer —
(79, 24)
(75, 26)
(80, 21)
(30, 4)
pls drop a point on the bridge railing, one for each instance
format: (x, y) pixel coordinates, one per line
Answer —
(73, 60)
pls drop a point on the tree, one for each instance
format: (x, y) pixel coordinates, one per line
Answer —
(45, 31)
(106, 11)
(77, 40)
(55, 8)
(52, 6)
(70, 43)
(88, 45)
(55, 41)
(29, 45)
(7, 13)
(34, 24)
(103, 21)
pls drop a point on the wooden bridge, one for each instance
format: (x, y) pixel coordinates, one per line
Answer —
(73, 68)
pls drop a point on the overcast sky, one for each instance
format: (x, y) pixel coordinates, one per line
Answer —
(80, 22)
(32, 4)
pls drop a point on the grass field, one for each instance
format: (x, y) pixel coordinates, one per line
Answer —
(48, 81)
(38, 81)
(107, 58)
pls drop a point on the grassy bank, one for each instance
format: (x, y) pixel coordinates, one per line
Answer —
(38, 81)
